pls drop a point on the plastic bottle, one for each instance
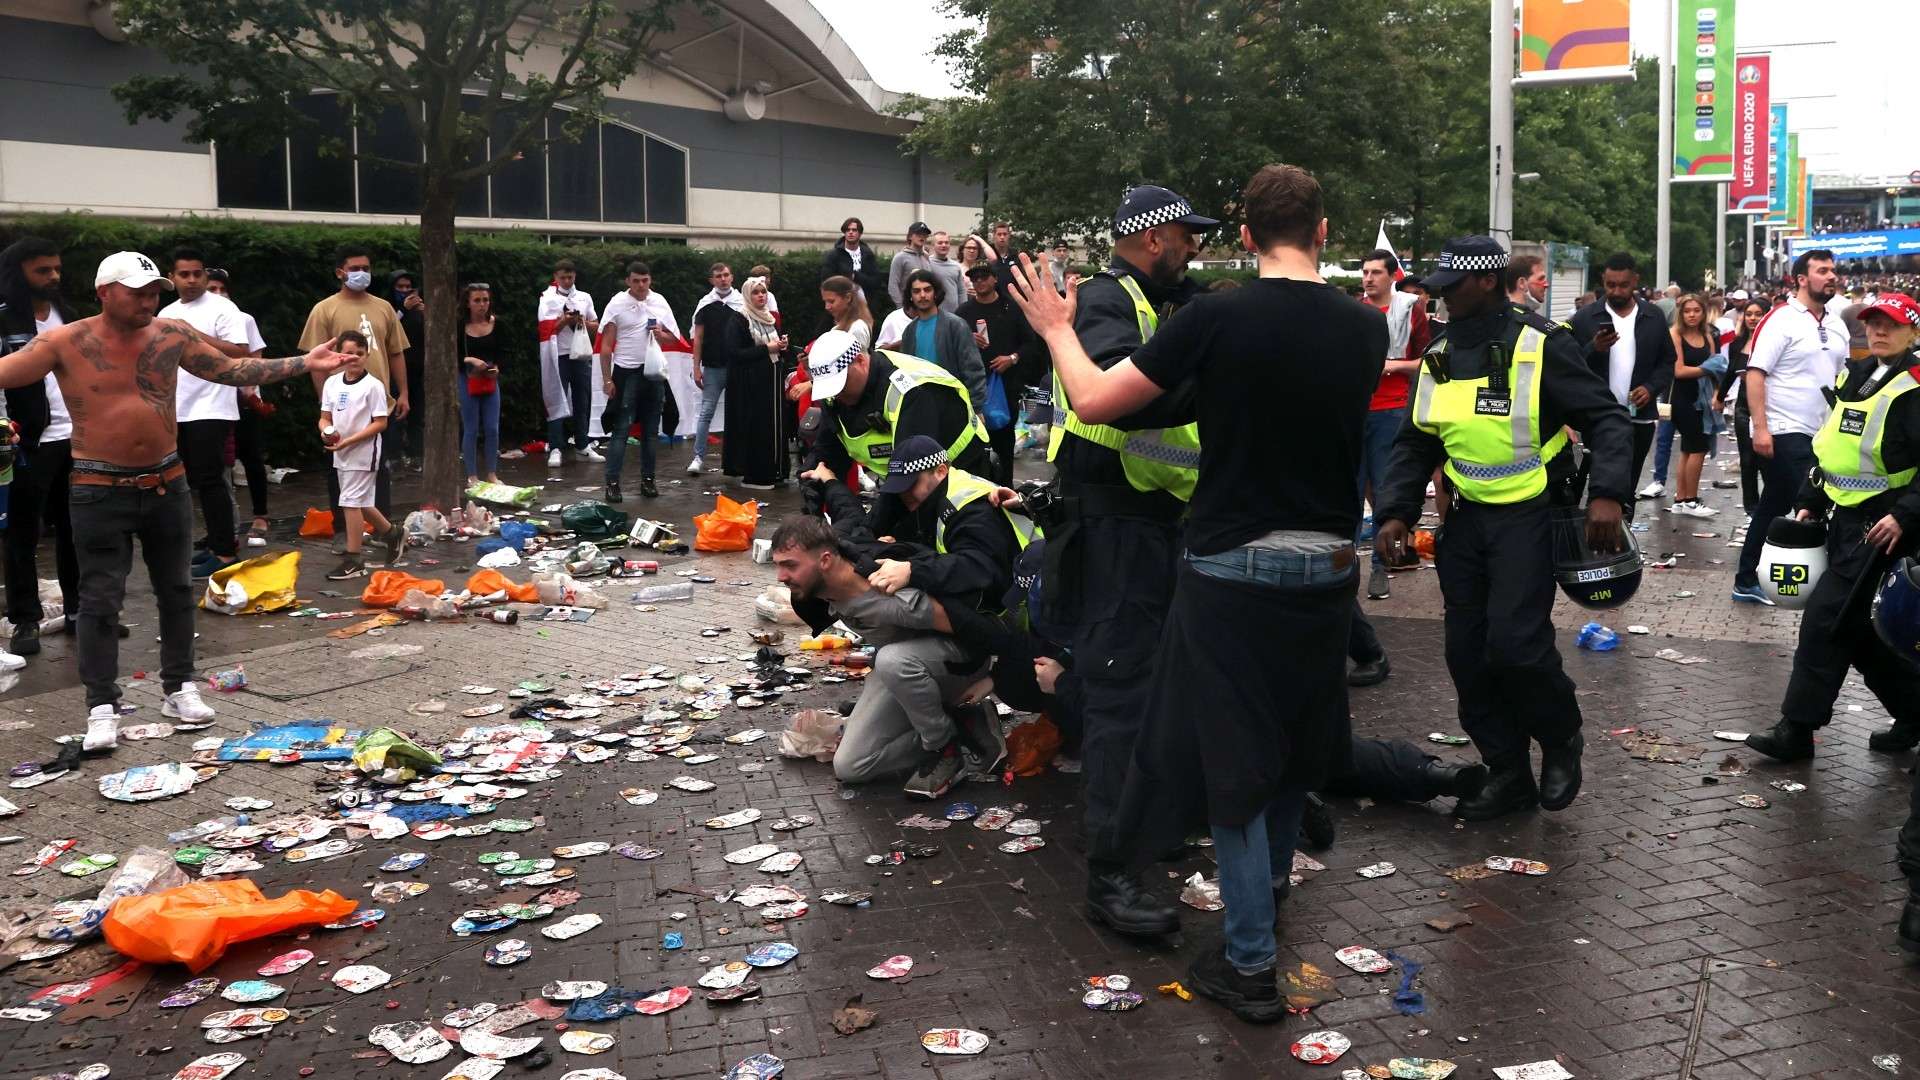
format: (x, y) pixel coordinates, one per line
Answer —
(653, 594)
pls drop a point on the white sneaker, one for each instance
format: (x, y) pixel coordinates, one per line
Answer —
(696, 466)
(1694, 508)
(1653, 490)
(588, 453)
(103, 728)
(10, 662)
(185, 704)
(553, 459)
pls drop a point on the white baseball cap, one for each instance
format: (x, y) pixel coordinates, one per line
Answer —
(129, 268)
(827, 362)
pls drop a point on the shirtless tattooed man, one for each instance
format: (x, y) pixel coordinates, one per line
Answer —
(117, 371)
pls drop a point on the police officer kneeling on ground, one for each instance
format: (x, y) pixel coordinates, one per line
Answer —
(1491, 401)
(870, 403)
(1867, 452)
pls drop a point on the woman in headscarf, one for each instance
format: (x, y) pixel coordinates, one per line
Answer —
(755, 346)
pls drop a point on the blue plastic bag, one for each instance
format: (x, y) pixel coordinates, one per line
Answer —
(517, 533)
(999, 416)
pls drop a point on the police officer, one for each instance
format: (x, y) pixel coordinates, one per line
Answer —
(1491, 401)
(1114, 533)
(1867, 451)
(871, 402)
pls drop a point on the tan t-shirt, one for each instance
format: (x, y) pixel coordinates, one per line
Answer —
(367, 313)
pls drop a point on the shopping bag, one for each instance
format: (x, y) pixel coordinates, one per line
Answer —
(593, 520)
(1032, 746)
(386, 587)
(317, 525)
(193, 924)
(998, 414)
(488, 582)
(505, 494)
(263, 583)
(728, 528)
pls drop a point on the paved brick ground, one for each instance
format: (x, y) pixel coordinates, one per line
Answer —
(1677, 930)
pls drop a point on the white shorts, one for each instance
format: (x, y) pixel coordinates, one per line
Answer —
(356, 487)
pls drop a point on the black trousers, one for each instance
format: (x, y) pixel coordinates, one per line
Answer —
(252, 452)
(39, 505)
(1387, 770)
(203, 450)
(1363, 645)
(1002, 443)
(1642, 444)
(1749, 461)
(382, 490)
(1833, 638)
(109, 520)
(1124, 585)
(1781, 478)
(1496, 576)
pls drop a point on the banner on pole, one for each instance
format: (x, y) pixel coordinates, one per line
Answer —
(1574, 40)
(1752, 177)
(1796, 186)
(1782, 164)
(1704, 113)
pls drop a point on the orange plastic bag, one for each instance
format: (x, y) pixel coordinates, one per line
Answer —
(729, 528)
(1031, 746)
(1423, 542)
(488, 582)
(318, 524)
(194, 924)
(386, 587)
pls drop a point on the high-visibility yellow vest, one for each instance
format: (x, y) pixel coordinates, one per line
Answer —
(1850, 444)
(963, 489)
(1166, 459)
(1492, 434)
(874, 447)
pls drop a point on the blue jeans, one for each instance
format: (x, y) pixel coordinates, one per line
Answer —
(1376, 447)
(479, 415)
(1662, 450)
(714, 378)
(635, 398)
(576, 377)
(1256, 857)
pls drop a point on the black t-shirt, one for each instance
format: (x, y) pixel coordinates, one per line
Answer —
(712, 324)
(1284, 372)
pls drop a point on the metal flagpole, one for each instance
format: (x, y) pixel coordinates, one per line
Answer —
(1747, 268)
(1500, 127)
(1663, 194)
(1720, 236)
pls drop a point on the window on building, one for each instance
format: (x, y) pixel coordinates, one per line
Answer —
(612, 172)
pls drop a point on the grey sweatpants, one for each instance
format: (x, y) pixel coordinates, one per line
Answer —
(902, 710)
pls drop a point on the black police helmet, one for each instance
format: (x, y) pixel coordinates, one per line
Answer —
(1590, 579)
(1896, 610)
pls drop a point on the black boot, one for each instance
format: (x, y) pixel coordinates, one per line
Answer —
(1446, 779)
(1560, 773)
(1369, 673)
(1253, 998)
(1116, 901)
(1909, 932)
(26, 639)
(1903, 735)
(1785, 741)
(1508, 788)
(613, 492)
(1316, 823)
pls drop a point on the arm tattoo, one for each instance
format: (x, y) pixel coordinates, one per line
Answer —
(24, 365)
(215, 366)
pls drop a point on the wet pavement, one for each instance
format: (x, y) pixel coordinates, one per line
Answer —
(1677, 933)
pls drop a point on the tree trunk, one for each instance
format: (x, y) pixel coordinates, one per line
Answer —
(444, 475)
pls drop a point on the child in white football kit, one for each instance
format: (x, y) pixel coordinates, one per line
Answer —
(353, 414)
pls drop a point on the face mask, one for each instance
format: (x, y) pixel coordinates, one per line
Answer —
(359, 280)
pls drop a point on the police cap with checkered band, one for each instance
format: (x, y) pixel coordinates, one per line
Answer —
(1465, 255)
(1147, 206)
(916, 454)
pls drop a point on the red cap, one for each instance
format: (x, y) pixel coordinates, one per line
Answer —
(1899, 307)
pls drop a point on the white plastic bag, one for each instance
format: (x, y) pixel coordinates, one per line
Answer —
(147, 870)
(776, 606)
(479, 521)
(561, 590)
(500, 559)
(815, 733)
(426, 525)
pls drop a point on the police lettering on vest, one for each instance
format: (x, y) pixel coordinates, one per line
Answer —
(1167, 459)
(1491, 432)
(1850, 445)
(874, 447)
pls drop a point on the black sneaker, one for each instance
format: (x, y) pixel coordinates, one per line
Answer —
(647, 490)
(395, 540)
(350, 567)
(26, 639)
(613, 492)
(936, 775)
(1903, 735)
(1784, 741)
(1253, 998)
(1371, 673)
(1316, 824)
(985, 744)
(1377, 586)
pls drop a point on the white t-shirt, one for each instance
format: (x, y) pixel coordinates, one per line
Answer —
(255, 343)
(59, 421)
(861, 333)
(634, 345)
(354, 405)
(1799, 365)
(853, 254)
(1620, 358)
(194, 398)
(893, 328)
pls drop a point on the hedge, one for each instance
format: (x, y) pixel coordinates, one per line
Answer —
(280, 271)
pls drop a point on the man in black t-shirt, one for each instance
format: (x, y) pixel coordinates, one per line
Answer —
(1247, 710)
(1008, 347)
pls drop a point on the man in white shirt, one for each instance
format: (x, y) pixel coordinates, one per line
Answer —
(567, 322)
(635, 333)
(247, 444)
(207, 411)
(1794, 359)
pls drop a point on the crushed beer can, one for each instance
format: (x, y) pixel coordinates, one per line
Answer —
(1377, 870)
(1202, 894)
(360, 918)
(664, 1001)
(192, 992)
(1020, 845)
(639, 796)
(993, 818)
(404, 861)
(772, 954)
(89, 865)
(846, 899)
(759, 1066)
(961, 811)
(1512, 865)
(210, 1067)
(473, 1014)
(752, 853)
(411, 1041)
(922, 821)
(287, 963)
(573, 989)
(508, 952)
(1321, 1047)
(243, 1018)
(734, 820)
(252, 991)
(1791, 787)
(791, 824)
(360, 978)
(954, 1041)
(1533, 1070)
(691, 783)
(1023, 827)
(1752, 802)
(729, 995)
(782, 863)
(1364, 960)
(639, 852)
(732, 973)
(487, 1044)
(582, 850)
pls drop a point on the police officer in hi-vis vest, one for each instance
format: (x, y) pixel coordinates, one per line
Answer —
(1866, 452)
(1113, 533)
(870, 403)
(1493, 401)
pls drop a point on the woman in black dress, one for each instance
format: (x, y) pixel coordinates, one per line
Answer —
(1748, 320)
(1693, 342)
(754, 448)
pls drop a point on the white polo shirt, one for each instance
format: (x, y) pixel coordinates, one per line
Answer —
(194, 398)
(1802, 356)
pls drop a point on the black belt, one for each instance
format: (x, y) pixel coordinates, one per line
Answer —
(1107, 500)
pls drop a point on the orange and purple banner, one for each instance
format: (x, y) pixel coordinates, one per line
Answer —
(1747, 192)
(1573, 35)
